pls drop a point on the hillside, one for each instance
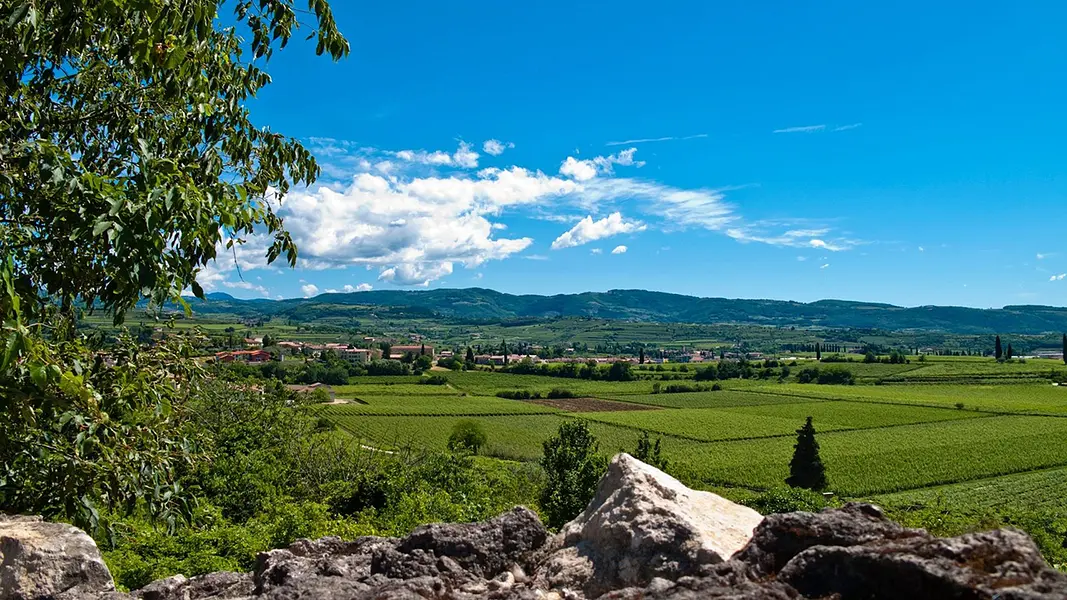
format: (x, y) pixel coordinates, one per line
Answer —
(477, 304)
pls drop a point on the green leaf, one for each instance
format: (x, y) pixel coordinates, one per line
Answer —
(18, 14)
(101, 227)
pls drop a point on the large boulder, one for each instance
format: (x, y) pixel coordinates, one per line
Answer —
(642, 525)
(41, 560)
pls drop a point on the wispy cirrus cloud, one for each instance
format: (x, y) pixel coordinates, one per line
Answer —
(818, 128)
(801, 129)
(658, 139)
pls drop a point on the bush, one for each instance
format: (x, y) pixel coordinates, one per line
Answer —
(560, 393)
(434, 380)
(716, 387)
(572, 466)
(784, 500)
(620, 371)
(515, 394)
(388, 367)
(467, 436)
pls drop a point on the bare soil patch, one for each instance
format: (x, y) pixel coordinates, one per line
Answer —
(590, 405)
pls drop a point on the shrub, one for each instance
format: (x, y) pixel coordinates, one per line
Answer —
(785, 500)
(649, 452)
(572, 466)
(716, 387)
(434, 380)
(560, 393)
(467, 436)
(515, 394)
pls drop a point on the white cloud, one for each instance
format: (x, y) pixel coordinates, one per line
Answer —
(1059, 277)
(478, 275)
(496, 147)
(659, 139)
(309, 290)
(619, 250)
(463, 157)
(535, 257)
(803, 129)
(1044, 255)
(363, 287)
(677, 207)
(802, 258)
(847, 127)
(416, 274)
(921, 249)
(587, 230)
(831, 246)
(422, 223)
(584, 170)
(245, 285)
(825, 266)
(596, 251)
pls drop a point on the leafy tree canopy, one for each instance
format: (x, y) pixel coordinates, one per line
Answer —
(127, 161)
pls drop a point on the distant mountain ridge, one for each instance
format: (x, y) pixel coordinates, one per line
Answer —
(641, 305)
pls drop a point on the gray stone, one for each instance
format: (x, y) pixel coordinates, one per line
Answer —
(45, 560)
(643, 524)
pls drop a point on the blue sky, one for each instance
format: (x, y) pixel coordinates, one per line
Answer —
(904, 152)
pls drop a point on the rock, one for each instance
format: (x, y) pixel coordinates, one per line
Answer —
(644, 537)
(643, 524)
(1003, 564)
(45, 560)
(484, 549)
(780, 537)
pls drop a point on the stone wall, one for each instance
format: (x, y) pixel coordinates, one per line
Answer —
(644, 536)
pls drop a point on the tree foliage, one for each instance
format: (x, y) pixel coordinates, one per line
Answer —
(573, 467)
(128, 162)
(467, 436)
(649, 452)
(806, 469)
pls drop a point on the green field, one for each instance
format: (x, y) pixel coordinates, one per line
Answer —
(516, 437)
(1020, 398)
(875, 461)
(1029, 490)
(898, 443)
(429, 405)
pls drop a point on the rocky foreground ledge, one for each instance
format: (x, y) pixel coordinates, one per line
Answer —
(644, 536)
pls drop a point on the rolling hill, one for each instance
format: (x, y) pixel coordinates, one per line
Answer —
(481, 305)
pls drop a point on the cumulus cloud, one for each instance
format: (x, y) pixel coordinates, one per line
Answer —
(496, 147)
(363, 287)
(586, 169)
(463, 157)
(420, 274)
(587, 230)
(410, 229)
(309, 290)
(1059, 277)
(619, 250)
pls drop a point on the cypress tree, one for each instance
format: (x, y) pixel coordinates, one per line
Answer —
(470, 355)
(806, 469)
(422, 350)
(818, 351)
(504, 351)
(997, 349)
(641, 353)
(1065, 348)
(1011, 351)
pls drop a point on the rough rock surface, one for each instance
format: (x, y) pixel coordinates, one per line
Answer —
(39, 559)
(643, 524)
(644, 537)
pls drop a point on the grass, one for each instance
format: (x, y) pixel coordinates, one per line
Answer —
(435, 405)
(1029, 398)
(1032, 490)
(772, 420)
(875, 461)
(516, 437)
(719, 399)
(366, 390)
(488, 383)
